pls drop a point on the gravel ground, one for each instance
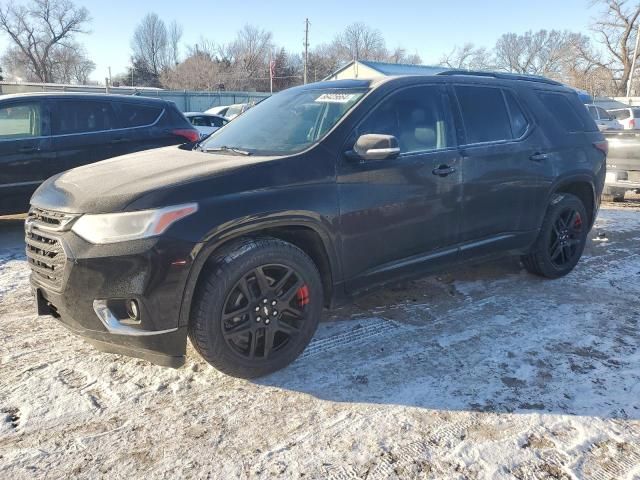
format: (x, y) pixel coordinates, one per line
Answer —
(480, 372)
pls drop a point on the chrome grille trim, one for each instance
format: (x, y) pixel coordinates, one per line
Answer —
(45, 253)
(49, 220)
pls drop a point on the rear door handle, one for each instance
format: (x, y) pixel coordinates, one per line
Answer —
(538, 157)
(443, 170)
(118, 140)
(28, 149)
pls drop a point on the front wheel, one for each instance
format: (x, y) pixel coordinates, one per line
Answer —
(561, 240)
(256, 307)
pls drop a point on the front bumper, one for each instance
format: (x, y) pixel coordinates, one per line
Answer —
(153, 272)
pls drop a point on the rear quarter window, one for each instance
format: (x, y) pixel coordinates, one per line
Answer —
(566, 113)
(137, 115)
(621, 114)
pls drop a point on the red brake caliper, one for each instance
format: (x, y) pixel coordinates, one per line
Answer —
(578, 221)
(303, 295)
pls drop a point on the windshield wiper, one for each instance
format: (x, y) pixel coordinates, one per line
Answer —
(224, 148)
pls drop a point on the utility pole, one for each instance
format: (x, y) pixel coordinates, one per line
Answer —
(306, 48)
(110, 81)
(633, 63)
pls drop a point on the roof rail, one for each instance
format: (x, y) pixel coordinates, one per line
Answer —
(500, 75)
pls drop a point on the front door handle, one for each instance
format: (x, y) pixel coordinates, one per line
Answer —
(443, 170)
(538, 157)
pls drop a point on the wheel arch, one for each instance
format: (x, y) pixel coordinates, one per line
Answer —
(306, 234)
(582, 186)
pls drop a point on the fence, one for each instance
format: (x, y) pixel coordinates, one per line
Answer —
(186, 101)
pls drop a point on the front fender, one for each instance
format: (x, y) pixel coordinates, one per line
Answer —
(252, 226)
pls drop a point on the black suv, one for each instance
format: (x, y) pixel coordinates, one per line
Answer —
(316, 194)
(44, 134)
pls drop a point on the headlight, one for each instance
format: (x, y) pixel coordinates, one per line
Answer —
(119, 227)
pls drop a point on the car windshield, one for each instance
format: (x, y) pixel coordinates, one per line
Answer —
(286, 123)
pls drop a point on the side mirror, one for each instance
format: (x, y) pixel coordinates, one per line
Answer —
(373, 146)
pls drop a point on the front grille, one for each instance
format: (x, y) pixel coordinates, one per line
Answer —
(45, 254)
(46, 258)
(49, 220)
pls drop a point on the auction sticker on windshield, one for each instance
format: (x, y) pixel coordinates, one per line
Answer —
(337, 97)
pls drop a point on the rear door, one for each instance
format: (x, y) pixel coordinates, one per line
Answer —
(401, 215)
(506, 172)
(26, 158)
(83, 131)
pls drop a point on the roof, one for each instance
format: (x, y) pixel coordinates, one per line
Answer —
(393, 69)
(92, 96)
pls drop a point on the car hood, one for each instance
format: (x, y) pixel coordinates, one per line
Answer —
(111, 185)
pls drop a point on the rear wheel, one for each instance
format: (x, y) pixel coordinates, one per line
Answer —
(561, 240)
(256, 308)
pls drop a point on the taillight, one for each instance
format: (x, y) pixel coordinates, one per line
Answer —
(603, 146)
(188, 133)
(632, 124)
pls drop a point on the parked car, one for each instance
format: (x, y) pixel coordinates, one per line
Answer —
(317, 194)
(629, 117)
(206, 123)
(623, 165)
(230, 111)
(604, 120)
(44, 134)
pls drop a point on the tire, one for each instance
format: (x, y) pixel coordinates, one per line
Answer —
(613, 195)
(557, 249)
(232, 326)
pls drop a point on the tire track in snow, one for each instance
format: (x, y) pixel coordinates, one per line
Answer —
(363, 331)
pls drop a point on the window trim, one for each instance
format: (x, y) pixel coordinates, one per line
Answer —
(502, 88)
(448, 111)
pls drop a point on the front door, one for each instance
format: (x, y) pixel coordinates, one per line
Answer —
(401, 214)
(26, 159)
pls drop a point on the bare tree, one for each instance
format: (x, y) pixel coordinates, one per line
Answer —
(175, 35)
(361, 42)
(616, 31)
(468, 57)
(544, 52)
(40, 32)
(150, 44)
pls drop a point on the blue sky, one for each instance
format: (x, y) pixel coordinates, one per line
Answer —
(427, 27)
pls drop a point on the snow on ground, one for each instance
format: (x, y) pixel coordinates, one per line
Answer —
(480, 372)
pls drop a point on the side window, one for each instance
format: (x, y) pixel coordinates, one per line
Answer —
(415, 116)
(621, 114)
(560, 107)
(217, 122)
(134, 115)
(199, 121)
(20, 121)
(604, 115)
(484, 114)
(81, 116)
(519, 122)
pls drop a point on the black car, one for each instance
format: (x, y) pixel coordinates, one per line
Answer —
(317, 194)
(44, 134)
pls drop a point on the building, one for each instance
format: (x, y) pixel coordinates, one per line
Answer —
(365, 69)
